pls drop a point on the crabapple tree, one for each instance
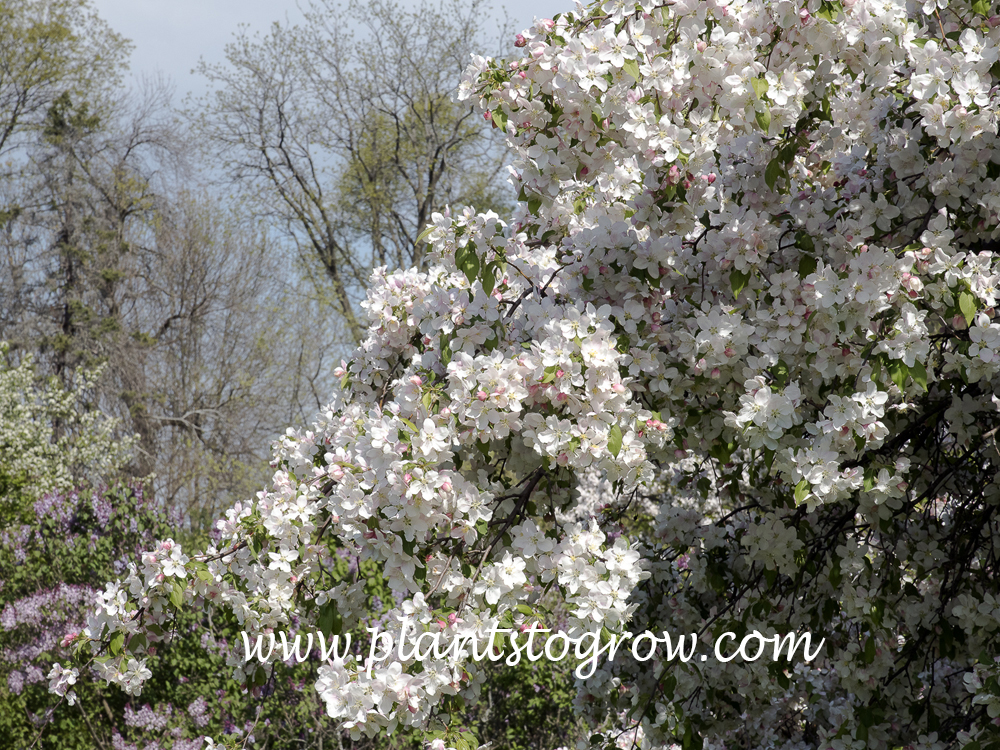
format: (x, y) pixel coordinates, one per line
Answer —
(730, 366)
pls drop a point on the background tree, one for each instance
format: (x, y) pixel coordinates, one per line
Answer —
(349, 142)
(51, 49)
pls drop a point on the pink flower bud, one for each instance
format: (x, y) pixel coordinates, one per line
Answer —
(702, 46)
(560, 373)
(446, 486)
(520, 41)
(416, 381)
(715, 373)
(482, 395)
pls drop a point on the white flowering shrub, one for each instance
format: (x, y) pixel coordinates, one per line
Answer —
(749, 289)
(50, 437)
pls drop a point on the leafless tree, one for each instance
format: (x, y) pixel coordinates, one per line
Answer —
(349, 141)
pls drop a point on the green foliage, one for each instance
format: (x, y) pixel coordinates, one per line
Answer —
(51, 50)
(527, 706)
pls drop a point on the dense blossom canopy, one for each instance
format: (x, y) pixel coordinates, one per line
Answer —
(730, 366)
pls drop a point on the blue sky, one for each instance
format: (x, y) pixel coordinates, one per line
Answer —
(171, 35)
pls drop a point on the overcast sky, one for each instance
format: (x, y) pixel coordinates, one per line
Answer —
(171, 35)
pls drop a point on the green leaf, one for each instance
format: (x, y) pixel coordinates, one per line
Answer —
(738, 280)
(632, 68)
(802, 490)
(723, 452)
(668, 686)
(869, 481)
(177, 593)
(968, 304)
(919, 374)
(829, 10)
(774, 170)
(500, 119)
(534, 203)
(898, 372)
(780, 373)
(982, 7)
(807, 265)
(869, 651)
(489, 278)
(763, 117)
(615, 440)
(424, 234)
(117, 643)
(759, 86)
(467, 261)
(329, 621)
